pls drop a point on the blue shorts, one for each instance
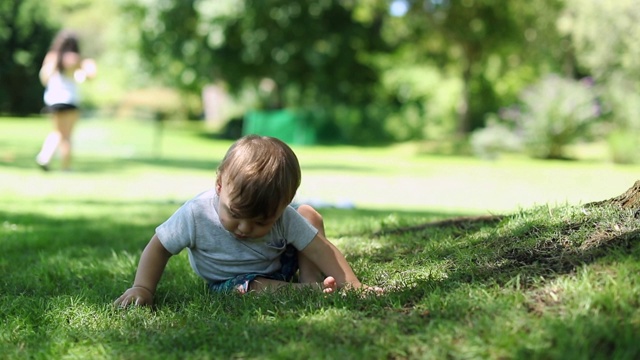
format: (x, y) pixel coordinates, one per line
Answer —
(287, 272)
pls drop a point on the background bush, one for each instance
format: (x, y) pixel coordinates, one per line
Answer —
(495, 138)
(622, 103)
(556, 112)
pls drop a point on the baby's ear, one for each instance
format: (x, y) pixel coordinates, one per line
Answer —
(218, 186)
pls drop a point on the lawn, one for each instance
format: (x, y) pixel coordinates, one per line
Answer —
(543, 278)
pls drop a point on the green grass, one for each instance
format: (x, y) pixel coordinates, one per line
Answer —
(548, 279)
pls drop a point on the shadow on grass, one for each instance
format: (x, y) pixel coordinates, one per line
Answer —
(55, 268)
(48, 243)
(481, 251)
(51, 257)
(49, 254)
(478, 249)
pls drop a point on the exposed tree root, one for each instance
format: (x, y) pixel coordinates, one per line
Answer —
(630, 199)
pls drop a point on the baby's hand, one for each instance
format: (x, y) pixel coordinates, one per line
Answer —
(135, 295)
(365, 290)
(372, 289)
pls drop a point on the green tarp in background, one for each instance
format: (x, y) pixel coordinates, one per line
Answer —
(292, 127)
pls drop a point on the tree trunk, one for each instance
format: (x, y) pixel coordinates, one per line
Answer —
(471, 62)
(464, 117)
(630, 199)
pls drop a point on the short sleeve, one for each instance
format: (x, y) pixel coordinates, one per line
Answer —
(178, 232)
(298, 231)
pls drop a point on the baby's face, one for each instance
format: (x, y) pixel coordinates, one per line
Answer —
(243, 228)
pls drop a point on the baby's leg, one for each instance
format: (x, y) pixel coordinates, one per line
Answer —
(309, 272)
(259, 284)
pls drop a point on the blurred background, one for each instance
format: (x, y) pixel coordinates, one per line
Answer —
(473, 77)
(425, 90)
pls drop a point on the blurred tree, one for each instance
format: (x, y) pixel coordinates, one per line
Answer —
(318, 48)
(308, 53)
(604, 35)
(25, 35)
(485, 42)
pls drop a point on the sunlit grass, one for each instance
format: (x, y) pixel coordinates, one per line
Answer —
(554, 281)
(130, 160)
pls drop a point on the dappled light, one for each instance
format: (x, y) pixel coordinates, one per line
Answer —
(468, 158)
(66, 259)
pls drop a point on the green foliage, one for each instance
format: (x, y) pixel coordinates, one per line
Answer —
(553, 113)
(319, 49)
(481, 41)
(624, 146)
(622, 104)
(603, 34)
(303, 54)
(25, 35)
(426, 101)
(495, 138)
(556, 112)
(350, 58)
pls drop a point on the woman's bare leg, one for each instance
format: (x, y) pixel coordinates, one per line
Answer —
(49, 148)
(66, 121)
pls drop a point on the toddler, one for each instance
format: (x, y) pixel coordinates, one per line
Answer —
(244, 235)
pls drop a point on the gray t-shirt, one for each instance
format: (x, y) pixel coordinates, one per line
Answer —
(215, 254)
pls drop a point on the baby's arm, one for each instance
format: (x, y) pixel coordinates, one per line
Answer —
(150, 268)
(331, 262)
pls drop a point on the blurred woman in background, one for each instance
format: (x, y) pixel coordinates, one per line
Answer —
(62, 69)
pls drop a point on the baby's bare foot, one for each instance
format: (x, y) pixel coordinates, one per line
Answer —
(329, 285)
